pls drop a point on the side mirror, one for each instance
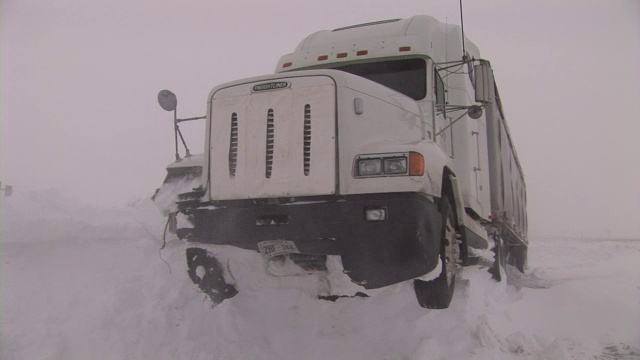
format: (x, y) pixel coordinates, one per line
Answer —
(484, 82)
(167, 100)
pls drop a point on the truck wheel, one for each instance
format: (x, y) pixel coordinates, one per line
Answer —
(437, 293)
(206, 272)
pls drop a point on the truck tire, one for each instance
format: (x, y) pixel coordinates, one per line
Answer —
(206, 272)
(437, 293)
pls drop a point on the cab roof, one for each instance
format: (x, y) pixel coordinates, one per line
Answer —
(419, 35)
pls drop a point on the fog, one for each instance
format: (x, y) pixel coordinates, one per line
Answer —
(79, 80)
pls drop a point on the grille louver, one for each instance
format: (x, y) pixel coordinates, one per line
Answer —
(233, 145)
(270, 144)
(307, 139)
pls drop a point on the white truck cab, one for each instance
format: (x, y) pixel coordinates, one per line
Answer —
(381, 143)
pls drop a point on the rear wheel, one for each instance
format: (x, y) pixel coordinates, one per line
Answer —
(437, 293)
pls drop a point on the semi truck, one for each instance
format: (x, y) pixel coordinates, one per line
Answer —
(382, 145)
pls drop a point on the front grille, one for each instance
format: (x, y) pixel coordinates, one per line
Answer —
(270, 141)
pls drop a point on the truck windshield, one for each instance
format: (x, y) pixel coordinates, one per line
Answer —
(406, 76)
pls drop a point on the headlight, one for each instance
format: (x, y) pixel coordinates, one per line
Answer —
(394, 164)
(369, 167)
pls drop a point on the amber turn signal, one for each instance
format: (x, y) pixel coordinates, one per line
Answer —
(416, 164)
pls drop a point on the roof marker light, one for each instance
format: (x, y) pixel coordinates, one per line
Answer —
(342, 55)
(362, 52)
(286, 65)
(405, 48)
(323, 57)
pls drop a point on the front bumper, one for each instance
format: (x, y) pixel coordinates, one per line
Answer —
(374, 254)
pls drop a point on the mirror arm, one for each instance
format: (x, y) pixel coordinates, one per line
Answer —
(190, 119)
(176, 121)
(451, 124)
(184, 143)
(176, 129)
(451, 108)
(467, 108)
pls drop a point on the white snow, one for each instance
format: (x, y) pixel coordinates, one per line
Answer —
(80, 282)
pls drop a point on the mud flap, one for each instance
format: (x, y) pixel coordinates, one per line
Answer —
(497, 271)
(206, 272)
(460, 216)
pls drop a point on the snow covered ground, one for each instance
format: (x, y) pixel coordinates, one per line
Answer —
(80, 282)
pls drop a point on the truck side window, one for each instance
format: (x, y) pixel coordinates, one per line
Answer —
(438, 87)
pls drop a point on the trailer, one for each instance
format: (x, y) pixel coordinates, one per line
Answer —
(383, 145)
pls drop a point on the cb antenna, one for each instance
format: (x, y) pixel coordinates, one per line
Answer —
(464, 52)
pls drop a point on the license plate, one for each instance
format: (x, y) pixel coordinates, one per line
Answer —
(272, 248)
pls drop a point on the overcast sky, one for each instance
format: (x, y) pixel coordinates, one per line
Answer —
(79, 81)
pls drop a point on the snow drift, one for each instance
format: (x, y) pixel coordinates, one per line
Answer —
(81, 282)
